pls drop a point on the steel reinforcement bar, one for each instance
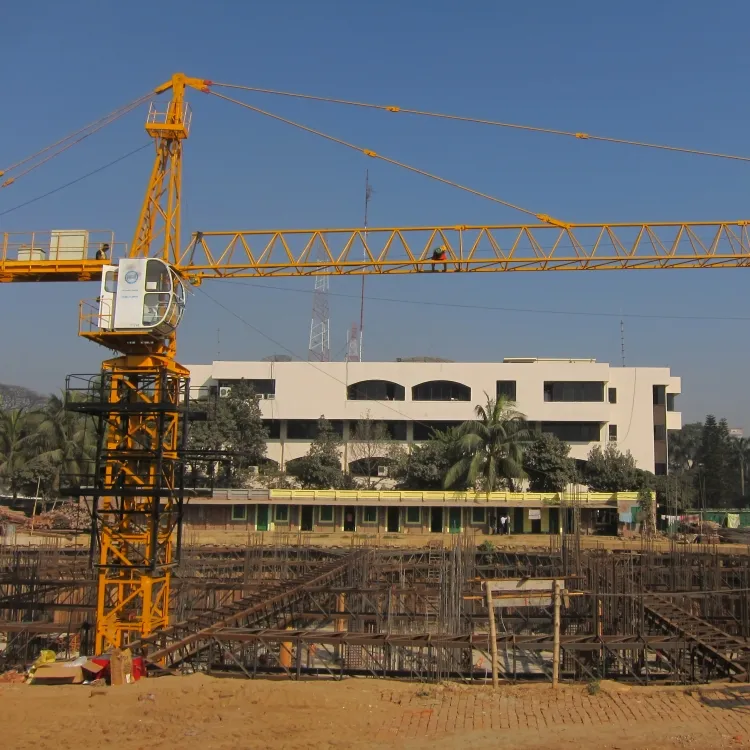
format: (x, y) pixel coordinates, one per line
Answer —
(273, 605)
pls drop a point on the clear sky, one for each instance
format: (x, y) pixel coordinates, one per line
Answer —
(672, 72)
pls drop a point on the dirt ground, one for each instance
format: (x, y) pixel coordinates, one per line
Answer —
(200, 712)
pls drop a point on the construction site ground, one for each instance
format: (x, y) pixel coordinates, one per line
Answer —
(211, 713)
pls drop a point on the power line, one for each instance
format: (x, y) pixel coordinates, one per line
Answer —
(294, 354)
(493, 308)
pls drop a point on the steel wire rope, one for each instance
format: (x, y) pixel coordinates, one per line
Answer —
(481, 121)
(76, 180)
(373, 154)
(86, 131)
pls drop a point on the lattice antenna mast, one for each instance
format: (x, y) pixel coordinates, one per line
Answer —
(320, 341)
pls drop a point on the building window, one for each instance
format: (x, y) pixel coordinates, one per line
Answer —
(660, 394)
(395, 429)
(239, 512)
(262, 387)
(441, 390)
(425, 430)
(574, 390)
(670, 401)
(307, 429)
(660, 432)
(371, 514)
(506, 388)
(660, 470)
(413, 515)
(326, 513)
(613, 433)
(273, 426)
(478, 515)
(574, 432)
(612, 395)
(375, 390)
(281, 513)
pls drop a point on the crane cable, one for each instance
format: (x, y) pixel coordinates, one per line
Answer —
(70, 140)
(495, 123)
(367, 152)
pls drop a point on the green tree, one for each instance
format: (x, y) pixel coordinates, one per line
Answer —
(320, 467)
(741, 458)
(231, 439)
(65, 442)
(17, 428)
(714, 466)
(676, 491)
(647, 506)
(684, 445)
(547, 464)
(611, 470)
(426, 464)
(490, 448)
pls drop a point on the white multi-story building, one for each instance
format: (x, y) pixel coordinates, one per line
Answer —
(584, 402)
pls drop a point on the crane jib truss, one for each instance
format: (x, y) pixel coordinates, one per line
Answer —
(406, 250)
(138, 400)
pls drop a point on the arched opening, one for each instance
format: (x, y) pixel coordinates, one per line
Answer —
(441, 390)
(375, 390)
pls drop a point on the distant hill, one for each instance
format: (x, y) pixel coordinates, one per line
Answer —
(16, 397)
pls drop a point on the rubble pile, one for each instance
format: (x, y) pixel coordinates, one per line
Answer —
(69, 515)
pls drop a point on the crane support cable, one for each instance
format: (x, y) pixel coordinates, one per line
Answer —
(367, 152)
(59, 147)
(515, 126)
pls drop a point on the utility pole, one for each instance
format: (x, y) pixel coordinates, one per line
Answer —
(493, 635)
(368, 195)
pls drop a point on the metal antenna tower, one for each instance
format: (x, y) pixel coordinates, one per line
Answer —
(320, 341)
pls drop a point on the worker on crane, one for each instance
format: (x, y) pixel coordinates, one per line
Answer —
(439, 254)
(103, 252)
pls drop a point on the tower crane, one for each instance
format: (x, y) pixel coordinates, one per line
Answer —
(139, 399)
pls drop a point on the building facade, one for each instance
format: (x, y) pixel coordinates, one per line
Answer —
(584, 402)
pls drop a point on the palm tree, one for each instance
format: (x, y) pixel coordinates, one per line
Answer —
(16, 445)
(65, 439)
(684, 445)
(741, 446)
(491, 446)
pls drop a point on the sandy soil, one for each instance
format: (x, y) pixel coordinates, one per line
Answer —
(219, 714)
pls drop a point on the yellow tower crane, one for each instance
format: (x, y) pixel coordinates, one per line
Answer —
(140, 397)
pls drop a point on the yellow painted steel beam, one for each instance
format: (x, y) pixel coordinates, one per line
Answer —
(502, 248)
(404, 250)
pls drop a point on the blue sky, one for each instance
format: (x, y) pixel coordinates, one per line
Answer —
(671, 72)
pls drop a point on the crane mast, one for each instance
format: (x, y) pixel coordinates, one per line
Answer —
(138, 402)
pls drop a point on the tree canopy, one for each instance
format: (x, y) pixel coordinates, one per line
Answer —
(611, 470)
(320, 468)
(41, 444)
(547, 464)
(234, 428)
(490, 448)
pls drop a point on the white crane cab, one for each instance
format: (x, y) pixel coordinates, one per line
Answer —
(141, 294)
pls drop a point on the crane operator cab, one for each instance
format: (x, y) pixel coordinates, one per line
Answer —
(141, 294)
